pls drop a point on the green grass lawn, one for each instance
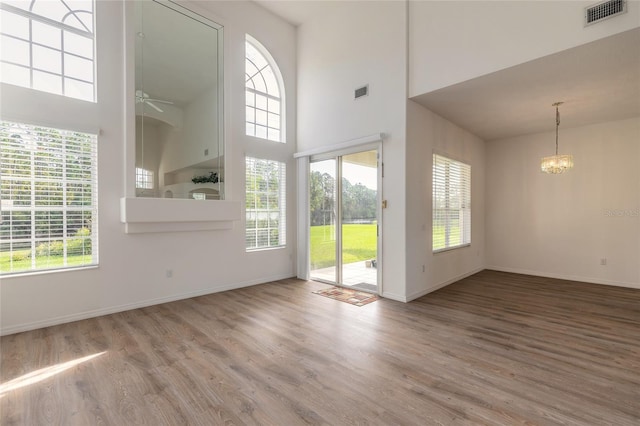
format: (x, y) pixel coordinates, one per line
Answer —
(359, 242)
(42, 262)
(438, 236)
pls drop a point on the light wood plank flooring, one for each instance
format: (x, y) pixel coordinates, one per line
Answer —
(495, 348)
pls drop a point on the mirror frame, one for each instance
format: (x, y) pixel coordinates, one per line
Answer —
(129, 92)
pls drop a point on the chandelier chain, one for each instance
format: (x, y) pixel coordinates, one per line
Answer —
(557, 127)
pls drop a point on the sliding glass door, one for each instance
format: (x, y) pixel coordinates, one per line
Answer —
(343, 198)
(323, 216)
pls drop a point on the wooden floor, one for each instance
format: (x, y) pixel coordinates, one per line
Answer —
(495, 348)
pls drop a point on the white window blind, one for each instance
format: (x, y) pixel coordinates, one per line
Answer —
(49, 45)
(48, 193)
(265, 203)
(263, 94)
(451, 203)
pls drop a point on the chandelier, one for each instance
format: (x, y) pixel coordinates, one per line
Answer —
(557, 164)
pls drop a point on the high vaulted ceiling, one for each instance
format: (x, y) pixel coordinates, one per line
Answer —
(598, 81)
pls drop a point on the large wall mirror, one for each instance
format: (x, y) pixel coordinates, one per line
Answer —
(178, 96)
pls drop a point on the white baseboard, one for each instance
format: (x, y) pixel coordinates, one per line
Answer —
(18, 328)
(564, 277)
(393, 296)
(431, 289)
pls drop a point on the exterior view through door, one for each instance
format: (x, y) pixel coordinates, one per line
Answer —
(343, 198)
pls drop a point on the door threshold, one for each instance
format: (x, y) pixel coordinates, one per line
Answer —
(350, 287)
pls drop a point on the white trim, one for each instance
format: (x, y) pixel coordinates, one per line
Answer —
(51, 123)
(393, 296)
(136, 305)
(303, 234)
(177, 214)
(376, 137)
(431, 289)
(564, 277)
(414, 296)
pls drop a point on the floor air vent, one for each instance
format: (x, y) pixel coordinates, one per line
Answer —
(604, 10)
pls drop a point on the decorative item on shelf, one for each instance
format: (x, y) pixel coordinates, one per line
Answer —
(212, 178)
(557, 164)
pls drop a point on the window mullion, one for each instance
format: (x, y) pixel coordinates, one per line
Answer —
(30, 52)
(44, 20)
(65, 213)
(447, 206)
(258, 92)
(33, 209)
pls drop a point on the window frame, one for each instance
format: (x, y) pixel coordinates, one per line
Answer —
(281, 209)
(144, 178)
(255, 93)
(59, 150)
(463, 201)
(65, 54)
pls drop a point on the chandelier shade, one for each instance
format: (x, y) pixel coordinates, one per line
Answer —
(556, 164)
(559, 163)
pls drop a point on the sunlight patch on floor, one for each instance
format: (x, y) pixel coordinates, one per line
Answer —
(43, 374)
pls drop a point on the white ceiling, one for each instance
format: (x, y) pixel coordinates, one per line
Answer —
(296, 11)
(598, 81)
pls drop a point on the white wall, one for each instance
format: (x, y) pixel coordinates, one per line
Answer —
(199, 132)
(349, 45)
(428, 133)
(132, 267)
(455, 41)
(562, 225)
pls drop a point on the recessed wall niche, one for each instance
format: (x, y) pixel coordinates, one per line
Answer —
(178, 103)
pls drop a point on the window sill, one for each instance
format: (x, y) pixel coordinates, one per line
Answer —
(142, 215)
(33, 272)
(259, 249)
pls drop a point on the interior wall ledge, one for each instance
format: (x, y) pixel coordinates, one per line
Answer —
(142, 215)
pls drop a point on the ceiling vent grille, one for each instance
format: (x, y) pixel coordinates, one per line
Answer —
(604, 10)
(361, 91)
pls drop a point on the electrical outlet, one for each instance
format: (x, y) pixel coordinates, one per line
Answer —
(169, 273)
(603, 261)
(422, 268)
(206, 152)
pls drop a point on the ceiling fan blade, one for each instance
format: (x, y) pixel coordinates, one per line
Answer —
(160, 101)
(152, 105)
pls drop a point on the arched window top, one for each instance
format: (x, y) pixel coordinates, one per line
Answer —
(76, 14)
(264, 93)
(49, 45)
(259, 72)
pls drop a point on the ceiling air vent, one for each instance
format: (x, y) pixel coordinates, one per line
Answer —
(604, 10)
(361, 91)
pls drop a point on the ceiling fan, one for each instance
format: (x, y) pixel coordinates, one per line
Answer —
(143, 98)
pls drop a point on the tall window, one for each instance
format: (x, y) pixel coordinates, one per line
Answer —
(451, 203)
(264, 94)
(265, 203)
(144, 178)
(48, 188)
(49, 45)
